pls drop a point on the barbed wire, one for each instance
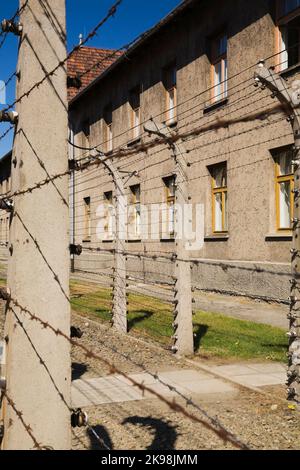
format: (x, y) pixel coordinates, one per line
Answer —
(213, 424)
(17, 13)
(2, 136)
(113, 9)
(26, 426)
(101, 158)
(203, 103)
(187, 151)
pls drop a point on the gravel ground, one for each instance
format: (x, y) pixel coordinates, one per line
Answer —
(259, 421)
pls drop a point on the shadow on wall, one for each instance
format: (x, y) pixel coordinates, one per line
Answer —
(165, 434)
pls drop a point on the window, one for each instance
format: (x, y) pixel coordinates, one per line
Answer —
(108, 215)
(108, 135)
(135, 212)
(169, 217)
(284, 185)
(87, 218)
(219, 68)
(288, 19)
(134, 101)
(170, 84)
(219, 198)
(287, 6)
(86, 134)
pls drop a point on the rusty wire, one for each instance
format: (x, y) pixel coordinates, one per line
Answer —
(213, 424)
(26, 426)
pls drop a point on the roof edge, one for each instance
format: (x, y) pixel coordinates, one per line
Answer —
(139, 42)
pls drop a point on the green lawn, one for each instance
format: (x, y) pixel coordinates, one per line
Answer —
(215, 335)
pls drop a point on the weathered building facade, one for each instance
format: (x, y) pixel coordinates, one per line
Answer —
(191, 76)
(194, 73)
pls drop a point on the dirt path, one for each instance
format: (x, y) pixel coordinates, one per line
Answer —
(150, 424)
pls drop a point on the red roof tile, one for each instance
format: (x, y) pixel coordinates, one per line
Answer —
(83, 59)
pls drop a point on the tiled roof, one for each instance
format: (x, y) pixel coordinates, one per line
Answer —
(84, 58)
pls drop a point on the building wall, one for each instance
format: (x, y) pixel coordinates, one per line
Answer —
(254, 258)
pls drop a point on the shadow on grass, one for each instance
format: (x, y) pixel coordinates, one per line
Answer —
(103, 313)
(138, 317)
(199, 333)
(103, 435)
(164, 432)
(78, 370)
(277, 346)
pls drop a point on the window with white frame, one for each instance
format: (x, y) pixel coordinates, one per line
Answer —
(287, 6)
(219, 67)
(86, 133)
(288, 23)
(170, 198)
(170, 84)
(87, 218)
(219, 198)
(135, 105)
(134, 214)
(284, 186)
(108, 131)
(108, 215)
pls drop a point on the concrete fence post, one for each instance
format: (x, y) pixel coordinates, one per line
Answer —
(183, 315)
(38, 372)
(119, 318)
(288, 96)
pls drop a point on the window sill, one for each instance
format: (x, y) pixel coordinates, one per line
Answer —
(134, 142)
(107, 241)
(212, 106)
(222, 237)
(167, 240)
(134, 240)
(87, 240)
(274, 237)
(290, 70)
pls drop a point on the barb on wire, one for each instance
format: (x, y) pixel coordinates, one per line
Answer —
(26, 426)
(60, 64)
(17, 13)
(2, 136)
(210, 424)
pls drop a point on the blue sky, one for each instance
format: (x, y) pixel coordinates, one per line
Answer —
(132, 18)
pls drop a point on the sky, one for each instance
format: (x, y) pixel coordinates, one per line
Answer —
(132, 18)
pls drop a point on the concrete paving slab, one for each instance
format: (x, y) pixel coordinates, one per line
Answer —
(118, 389)
(254, 375)
(269, 368)
(234, 369)
(214, 386)
(86, 394)
(113, 389)
(182, 376)
(145, 378)
(257, 380)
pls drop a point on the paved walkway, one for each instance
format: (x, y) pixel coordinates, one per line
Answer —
(254, 375)
(117, 389)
